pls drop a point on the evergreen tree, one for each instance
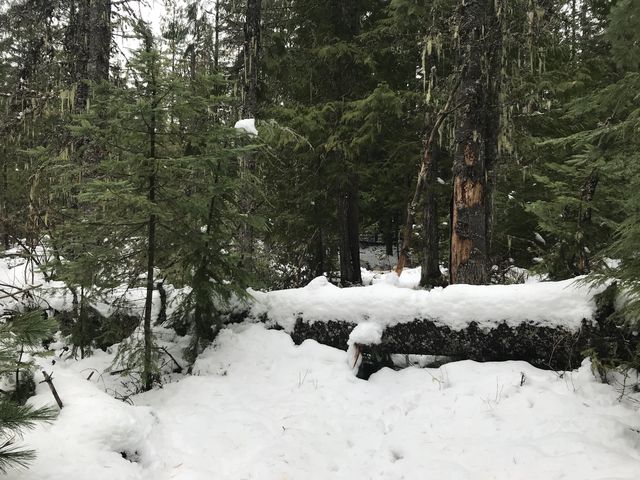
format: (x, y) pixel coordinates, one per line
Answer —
(21, 337)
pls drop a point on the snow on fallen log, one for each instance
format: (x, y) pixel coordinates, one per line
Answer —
(548, 324)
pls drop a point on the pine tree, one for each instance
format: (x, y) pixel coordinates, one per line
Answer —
(21, 336)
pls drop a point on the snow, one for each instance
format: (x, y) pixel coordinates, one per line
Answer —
(89, 434)
(551, 304)
(366, 333)
(259, 407)
(248, 125)
(539, 238)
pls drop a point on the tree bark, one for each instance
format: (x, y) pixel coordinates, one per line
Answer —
(542, 347)
(79, 39)
(4, 213)
(100, 40)
(468, 259)
(493, 49)
(587, 193)
(151, 226)
(346, 21)
(430, 275)
(251, 49)
(348, 216)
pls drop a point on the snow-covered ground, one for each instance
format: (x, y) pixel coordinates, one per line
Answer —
(258, 407)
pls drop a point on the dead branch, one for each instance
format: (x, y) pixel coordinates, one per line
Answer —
(421, 182)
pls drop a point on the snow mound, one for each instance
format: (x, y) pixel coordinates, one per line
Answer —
(366, 333)
(95, 436)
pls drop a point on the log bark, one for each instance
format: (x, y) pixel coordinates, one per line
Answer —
(543, 347)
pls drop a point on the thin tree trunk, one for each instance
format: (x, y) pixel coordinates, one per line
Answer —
(348, 217)
(493, 52)
(347, 26)
(587, 193)
(251, 48)
(216, 41)
(204, 310)
(424, 175)
(430, 275)
(151, 232)
(79, 40)
(4, 217)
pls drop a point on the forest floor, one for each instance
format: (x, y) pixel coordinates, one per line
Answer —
(258, 407)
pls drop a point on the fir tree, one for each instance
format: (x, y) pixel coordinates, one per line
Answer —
(21, 337)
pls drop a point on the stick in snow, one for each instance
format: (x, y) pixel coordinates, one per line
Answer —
(49, 379)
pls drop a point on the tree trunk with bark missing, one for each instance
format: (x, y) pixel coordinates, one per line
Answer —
(468, 257)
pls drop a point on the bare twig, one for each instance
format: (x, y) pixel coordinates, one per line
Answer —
(178, 366)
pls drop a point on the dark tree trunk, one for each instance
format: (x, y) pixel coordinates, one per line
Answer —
(348, 216)
(162, 315)
(388, 235)
(4, 214)
(79, 39)
(469, 262)
(493, 49)
(251, 49)
(319, 266)
(151, 227)
(587, 193)
(346, 19)
(430, 275)
(207, 322)
(100, 40)
(88, 46)
(216, 41)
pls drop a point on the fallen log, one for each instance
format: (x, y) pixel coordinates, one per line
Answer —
(549, 345)
(543, 347)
